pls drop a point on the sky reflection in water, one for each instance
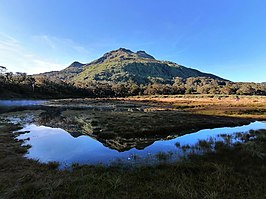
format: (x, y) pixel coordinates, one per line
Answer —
(7, 103)
(55, 144)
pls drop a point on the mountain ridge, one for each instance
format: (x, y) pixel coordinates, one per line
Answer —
(123, 65)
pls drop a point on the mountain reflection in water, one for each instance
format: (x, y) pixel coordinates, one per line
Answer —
(56, 144)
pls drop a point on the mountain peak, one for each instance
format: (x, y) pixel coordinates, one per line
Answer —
(143, 54)
(122, 54)
(76, 64)
(123, 50)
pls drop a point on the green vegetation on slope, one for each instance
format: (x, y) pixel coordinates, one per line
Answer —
(122, 65)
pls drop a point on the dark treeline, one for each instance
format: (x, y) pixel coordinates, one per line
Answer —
(20, 85)
(192, 85)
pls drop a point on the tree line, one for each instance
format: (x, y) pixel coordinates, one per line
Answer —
(16, 85)
(191, 85)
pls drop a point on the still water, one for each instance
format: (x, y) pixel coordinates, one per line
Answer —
(55, 144)
(8, 103)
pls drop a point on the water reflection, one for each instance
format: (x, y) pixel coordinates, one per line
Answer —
(101, 132)
(8, 103)
(56, 144)
(85, 122)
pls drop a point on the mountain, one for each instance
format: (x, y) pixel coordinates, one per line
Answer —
(66, 74)
(123, 65)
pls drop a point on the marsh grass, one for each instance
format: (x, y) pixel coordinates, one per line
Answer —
(163, 156)
(219, 105)
(178, 114)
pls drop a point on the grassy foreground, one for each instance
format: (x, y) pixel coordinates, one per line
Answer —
(231, 172)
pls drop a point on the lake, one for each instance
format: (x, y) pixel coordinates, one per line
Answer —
(10, 103)
(99, 131)
(55, 144)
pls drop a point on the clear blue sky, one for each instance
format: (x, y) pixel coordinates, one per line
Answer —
(226, 37)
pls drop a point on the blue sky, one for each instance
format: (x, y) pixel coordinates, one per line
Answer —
(227, 38)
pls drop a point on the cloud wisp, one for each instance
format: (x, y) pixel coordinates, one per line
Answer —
(50, 54)
(17, 58)
(64, 44)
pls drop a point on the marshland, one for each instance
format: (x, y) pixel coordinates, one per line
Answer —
(183, 146)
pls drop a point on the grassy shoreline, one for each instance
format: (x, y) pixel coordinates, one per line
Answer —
(155, 120)
(169, 114)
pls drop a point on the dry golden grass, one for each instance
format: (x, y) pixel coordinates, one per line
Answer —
(245, 106)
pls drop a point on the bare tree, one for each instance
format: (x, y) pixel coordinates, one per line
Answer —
(2, 69)
(32, 81)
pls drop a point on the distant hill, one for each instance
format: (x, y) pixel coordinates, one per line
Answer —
(123, 65)
(66, 74)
